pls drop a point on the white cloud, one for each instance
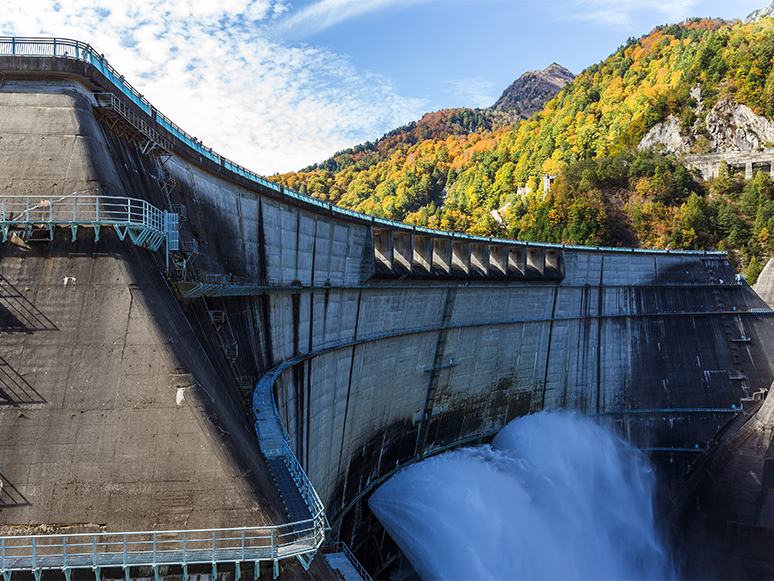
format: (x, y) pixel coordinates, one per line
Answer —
(326, 13)
(473, 92)
(213, 69)
(622, 12)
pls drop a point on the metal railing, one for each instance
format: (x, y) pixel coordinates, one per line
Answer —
(271, 431)
(91, 550)
(82, 210)
(341, 547)
(672, 411)
(308, 493)
(110, 102)
(142, 221)
(68, 48)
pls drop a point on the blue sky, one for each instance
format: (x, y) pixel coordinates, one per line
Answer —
(276, 85)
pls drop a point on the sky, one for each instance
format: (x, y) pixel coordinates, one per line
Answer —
(277, 85)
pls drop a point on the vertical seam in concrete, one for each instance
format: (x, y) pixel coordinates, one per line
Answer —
(123, 347)
(128, 322)
(548, 348)
(241, 225)
(349, 382)
(298, 240)
(311, 346)
(314, 256)
(265, 301)
(308, 413)
(299, 377)
(451, 294)
(600, 304)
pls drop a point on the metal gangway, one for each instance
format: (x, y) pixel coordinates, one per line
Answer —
(300, 498)
(153, 549)
(121, 119)
(145, 224)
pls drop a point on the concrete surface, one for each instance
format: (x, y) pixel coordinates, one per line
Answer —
(764, 286)
(394, 369)
(113, 416)
(726, 508)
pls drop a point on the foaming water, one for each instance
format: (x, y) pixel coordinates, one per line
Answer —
(556, 496)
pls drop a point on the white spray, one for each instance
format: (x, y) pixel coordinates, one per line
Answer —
(556, 496)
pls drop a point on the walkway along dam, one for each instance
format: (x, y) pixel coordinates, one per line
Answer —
(199, 368)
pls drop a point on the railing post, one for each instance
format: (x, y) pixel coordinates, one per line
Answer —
(64, 550)
(243, 544)
(124, 559)
(55, 47)
(33, 553)
(213, 545)
(94, 550)
(13, 46)
(154, 548)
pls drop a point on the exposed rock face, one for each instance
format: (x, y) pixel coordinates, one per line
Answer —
(667, 133)
(530, 92)
(727, 126)
(734, 126)
(757, 15)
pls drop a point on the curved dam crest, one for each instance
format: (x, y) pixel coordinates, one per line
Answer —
(407, 342)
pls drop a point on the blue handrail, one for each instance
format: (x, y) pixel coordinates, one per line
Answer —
(68, 48)
(153, 548)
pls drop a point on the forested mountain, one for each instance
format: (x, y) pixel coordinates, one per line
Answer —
(461, 170)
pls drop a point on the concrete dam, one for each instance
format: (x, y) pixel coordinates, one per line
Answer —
(157, 301)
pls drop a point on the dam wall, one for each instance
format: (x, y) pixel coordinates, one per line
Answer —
(392, 370)
(390, 343)
(117, 412)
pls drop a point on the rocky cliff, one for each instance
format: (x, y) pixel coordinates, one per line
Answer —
(726, 125)
(756, 15)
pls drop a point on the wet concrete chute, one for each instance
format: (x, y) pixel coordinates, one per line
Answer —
(223, 390)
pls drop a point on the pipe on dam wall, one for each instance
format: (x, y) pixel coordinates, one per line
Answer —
(398, 368)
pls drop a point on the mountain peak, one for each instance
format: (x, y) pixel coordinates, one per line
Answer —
(757, 15)
(532, 90)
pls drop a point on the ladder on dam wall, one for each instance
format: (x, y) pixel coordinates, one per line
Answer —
(143, 223)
